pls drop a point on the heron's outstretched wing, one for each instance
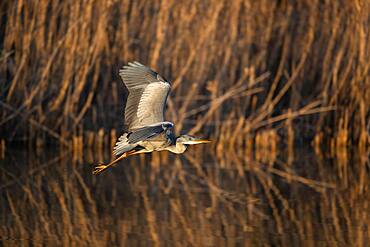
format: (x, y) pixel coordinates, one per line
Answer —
(147, 96)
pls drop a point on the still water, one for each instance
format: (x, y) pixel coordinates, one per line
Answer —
(49, 197)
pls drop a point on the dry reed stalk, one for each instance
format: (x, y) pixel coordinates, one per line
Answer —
(2, 149)
(151, 219)
(20, 225)
(90, 139)
(177, 209)
(317, 143)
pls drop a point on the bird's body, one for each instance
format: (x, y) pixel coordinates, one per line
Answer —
(147, 131)
(162, 138)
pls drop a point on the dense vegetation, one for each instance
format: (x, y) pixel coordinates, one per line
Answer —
(235, 67)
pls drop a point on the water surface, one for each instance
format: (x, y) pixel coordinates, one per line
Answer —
(50, 197)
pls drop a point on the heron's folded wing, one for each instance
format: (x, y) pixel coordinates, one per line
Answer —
(147, 97)
(144, 133)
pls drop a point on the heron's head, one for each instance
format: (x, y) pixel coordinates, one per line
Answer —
(190, 140)
(183, 141)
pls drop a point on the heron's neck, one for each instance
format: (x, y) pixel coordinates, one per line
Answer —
(178, 148)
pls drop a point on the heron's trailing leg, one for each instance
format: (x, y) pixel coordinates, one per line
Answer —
(101, 167)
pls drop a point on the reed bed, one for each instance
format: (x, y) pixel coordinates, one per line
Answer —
(251, 75)
(236, 67)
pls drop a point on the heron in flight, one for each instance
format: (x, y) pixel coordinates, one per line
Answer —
(147, 131)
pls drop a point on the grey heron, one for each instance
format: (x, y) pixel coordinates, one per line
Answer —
(147, 131)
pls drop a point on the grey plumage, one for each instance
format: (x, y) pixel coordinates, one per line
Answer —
(144, 133)
(123, 145)
(147, 97)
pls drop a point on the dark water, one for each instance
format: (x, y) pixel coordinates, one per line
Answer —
(49, 197)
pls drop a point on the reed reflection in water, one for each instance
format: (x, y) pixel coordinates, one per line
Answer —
(50, 197)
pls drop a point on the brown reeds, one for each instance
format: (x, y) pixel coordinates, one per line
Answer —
(2, 148)
(254, 60)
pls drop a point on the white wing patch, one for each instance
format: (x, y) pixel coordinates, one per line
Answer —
(152, 103)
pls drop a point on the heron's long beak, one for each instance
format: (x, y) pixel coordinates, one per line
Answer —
(192, 142)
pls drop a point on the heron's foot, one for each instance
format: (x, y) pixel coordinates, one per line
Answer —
(99, 168)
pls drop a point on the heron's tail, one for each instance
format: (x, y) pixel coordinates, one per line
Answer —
(122, 145)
